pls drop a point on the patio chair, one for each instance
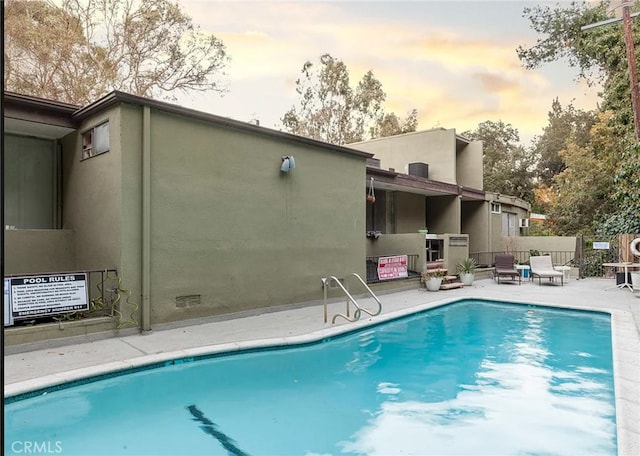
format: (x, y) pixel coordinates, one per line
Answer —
(542, 267)
(505, 267)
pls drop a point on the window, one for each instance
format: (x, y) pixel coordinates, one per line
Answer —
(509, 224)
(95, 141)
(30, 183)
(496, 208)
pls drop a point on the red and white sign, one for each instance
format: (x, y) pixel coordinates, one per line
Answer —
(392, 267)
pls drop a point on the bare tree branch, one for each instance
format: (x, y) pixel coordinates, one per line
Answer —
(86, 48)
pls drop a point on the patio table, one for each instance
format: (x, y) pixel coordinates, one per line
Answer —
(625, 266)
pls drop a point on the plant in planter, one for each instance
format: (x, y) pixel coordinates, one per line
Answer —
(465, 269)
(432, 279)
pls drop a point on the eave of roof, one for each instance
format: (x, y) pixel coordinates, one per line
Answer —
(39, 103)
(421, 184)
(19, 109)
(117, 97)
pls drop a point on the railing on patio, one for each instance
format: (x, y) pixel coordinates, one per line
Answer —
(558, 257)
(372, 267)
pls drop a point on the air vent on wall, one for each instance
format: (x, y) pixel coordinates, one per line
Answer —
(187, 301)
(419, 170)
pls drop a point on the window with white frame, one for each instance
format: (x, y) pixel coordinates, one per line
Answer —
(95, 141)
(496, 208)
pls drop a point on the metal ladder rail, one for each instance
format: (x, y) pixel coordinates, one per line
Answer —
(372, 295)
(356, 316)
(325, 286)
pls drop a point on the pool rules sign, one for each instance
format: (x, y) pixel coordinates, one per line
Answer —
(38, 296)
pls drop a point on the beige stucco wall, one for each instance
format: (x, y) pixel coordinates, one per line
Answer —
(443, 214)
(475, 222)
(495, 232)
(410, 212)
(437, 148)
(519, 212)
(541, 243)
(414, 243)
(36, 251)
(228, 226)
(469, 165)
(453, 252)
(509, 204)
(399, 244)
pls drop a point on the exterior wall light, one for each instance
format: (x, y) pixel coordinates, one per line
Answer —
(288, 163)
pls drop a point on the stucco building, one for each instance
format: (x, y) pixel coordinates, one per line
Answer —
(197, 217)
(433, 180)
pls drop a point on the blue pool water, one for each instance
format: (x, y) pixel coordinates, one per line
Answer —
(470, 378)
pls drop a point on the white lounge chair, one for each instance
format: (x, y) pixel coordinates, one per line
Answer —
(541, 266)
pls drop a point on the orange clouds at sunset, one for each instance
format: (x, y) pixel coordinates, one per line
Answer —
(455, 62)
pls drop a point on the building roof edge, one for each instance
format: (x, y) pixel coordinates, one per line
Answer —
(116, 97)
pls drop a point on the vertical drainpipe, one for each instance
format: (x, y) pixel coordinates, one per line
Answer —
(57, 187)
(489, 234)
(146, 219)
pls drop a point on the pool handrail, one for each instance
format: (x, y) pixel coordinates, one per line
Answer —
(372, 295)
(356, 316)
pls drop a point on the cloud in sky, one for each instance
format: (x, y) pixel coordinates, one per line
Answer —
(455, 62)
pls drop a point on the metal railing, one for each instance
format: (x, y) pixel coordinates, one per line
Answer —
(326, 284)
(558, 257)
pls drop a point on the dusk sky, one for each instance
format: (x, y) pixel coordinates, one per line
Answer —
(453, 61)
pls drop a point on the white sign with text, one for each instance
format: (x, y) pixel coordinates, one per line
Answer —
(38, 296)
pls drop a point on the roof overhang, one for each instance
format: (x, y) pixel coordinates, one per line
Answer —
(392, 181)
(39, 130)
(39, 117)
(117, 97)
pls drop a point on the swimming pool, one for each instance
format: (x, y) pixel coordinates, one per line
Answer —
(470, 378)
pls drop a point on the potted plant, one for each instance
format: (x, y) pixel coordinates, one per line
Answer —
(432, 279)
(465, 269)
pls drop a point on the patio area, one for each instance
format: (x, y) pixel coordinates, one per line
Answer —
(41, 365)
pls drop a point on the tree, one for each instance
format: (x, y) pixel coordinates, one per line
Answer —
(599, 54)
(330, 110)
(625, 195)
(507, 165)
(543, 198)
(565, 125)
(391, 124)
(83, 49)
(583, 189)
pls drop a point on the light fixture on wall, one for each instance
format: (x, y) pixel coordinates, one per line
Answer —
(288, 163)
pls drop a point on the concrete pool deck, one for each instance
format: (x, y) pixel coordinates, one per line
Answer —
(43, 366)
